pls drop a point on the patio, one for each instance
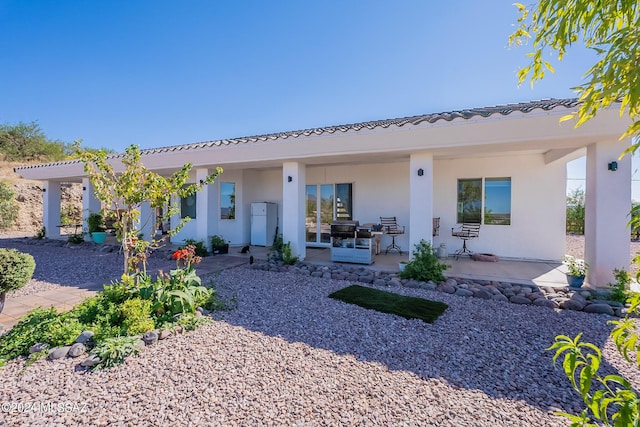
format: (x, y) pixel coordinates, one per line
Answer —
(540, 273)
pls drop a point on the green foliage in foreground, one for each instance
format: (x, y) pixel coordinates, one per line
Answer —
(609, 398)
(388, 302)
(424, 266)
(117, 315)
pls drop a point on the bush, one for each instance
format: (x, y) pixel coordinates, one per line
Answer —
(95, 222)
(8, 206)
(620, 289)
(425, 265)
(16, 269)
(200, 248)
(287, 256)
(112, 351)
(76, 238)
(137, 316)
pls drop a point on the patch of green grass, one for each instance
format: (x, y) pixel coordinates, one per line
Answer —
(388, 302)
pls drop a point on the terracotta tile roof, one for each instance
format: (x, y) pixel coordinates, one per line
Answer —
(504, 110)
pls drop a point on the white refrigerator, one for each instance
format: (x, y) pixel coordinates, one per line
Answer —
(264, 222)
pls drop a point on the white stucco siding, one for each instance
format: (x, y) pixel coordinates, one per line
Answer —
(537, 206)
(264, 185)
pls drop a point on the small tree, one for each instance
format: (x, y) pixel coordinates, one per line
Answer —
(575, 211)
(123, 194)
(8, 206)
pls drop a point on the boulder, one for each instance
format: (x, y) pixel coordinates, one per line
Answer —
(543, 302)
(600, 309)
(77, 350)
(464, 292)
(90, 361)
(84, 337)
(572, 304)
(58, 352)
(150, 337)
(518, 299)
(38, 347)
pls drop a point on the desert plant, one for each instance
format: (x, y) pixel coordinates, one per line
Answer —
(76, 238)
(200, 248)
(287, 256)
(95, 222)
(41, 234)
(16, 269)
(620, 289)
(137, 316)
(424, 265)
(275, 251)
(8, 206)
(113, 351)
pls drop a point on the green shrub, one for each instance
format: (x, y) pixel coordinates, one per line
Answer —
(41, 234)
(200, 248)
(276, 250)
(425, 265)
(76, 238)
(8, 206)
(287, 256)
(16, 269)
(95, 222)
(112, 351)
(137, 316)
(620, 289)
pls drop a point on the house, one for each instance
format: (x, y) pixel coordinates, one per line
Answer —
(503, 165)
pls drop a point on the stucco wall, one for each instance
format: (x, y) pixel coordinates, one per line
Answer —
(537, 206)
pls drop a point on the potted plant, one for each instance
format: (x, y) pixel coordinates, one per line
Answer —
(577, 270)
(219, 245)
(97, 227)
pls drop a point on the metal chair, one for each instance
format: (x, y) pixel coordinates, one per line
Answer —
(390, 226)
(466, 231)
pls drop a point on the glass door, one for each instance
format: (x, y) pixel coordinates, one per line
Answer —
(325, 203)
(320, 209)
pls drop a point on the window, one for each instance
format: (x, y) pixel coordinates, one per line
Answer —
(496, 208)
(343, 201)
(188, 206)
(228, 200)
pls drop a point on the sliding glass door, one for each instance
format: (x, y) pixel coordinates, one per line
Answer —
(325, 202)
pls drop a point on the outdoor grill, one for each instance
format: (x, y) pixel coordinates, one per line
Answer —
(363, 232)
(344, 229)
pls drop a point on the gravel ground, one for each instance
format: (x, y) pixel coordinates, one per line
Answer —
(288, 355)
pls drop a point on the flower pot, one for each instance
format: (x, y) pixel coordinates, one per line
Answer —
(99, 237)
(575, 281)
(222, 249)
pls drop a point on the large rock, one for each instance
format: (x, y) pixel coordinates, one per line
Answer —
(600, 309)
(58, 352)
(500, 297)
(38, 347)
(543, 302)
(77, 350)
(518, 299)
(150, 337)
(446, 287)
(572, 304)
(481, 293)
(84, 337)
(90, 361)
(464, 292)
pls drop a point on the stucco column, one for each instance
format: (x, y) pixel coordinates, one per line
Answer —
(607, 206)
(90, 204)
(293, 207)
(206, 209)
(420, 199)
(51, 208)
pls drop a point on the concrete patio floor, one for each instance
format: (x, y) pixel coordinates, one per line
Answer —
(522, 272)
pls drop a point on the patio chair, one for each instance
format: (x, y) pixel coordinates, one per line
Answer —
(467, 231)
(390, 226)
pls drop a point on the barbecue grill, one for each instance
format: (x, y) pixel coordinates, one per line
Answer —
(344, 229)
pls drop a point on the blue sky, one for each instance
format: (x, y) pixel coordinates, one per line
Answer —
(158, 73)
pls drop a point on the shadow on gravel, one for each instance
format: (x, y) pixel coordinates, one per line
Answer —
(490, 346)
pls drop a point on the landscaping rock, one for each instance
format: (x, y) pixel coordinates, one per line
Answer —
(482, 293)
(84, 337)
(572, 304)
(58, 352)
(500, 297)
(543, 302)
(164, 334)
(464, 292)
(151, 337)
(90, 361)
(599, 308)
(38, 347)
(518, 299)
(446, 287)
(76, 350)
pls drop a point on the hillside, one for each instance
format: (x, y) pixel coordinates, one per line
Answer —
(29, 199)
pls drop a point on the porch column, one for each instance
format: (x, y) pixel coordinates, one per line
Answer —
(90, 203)
(293, 207)
(51, 208)
(607, 206)
(206, 209)
(420, 199)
